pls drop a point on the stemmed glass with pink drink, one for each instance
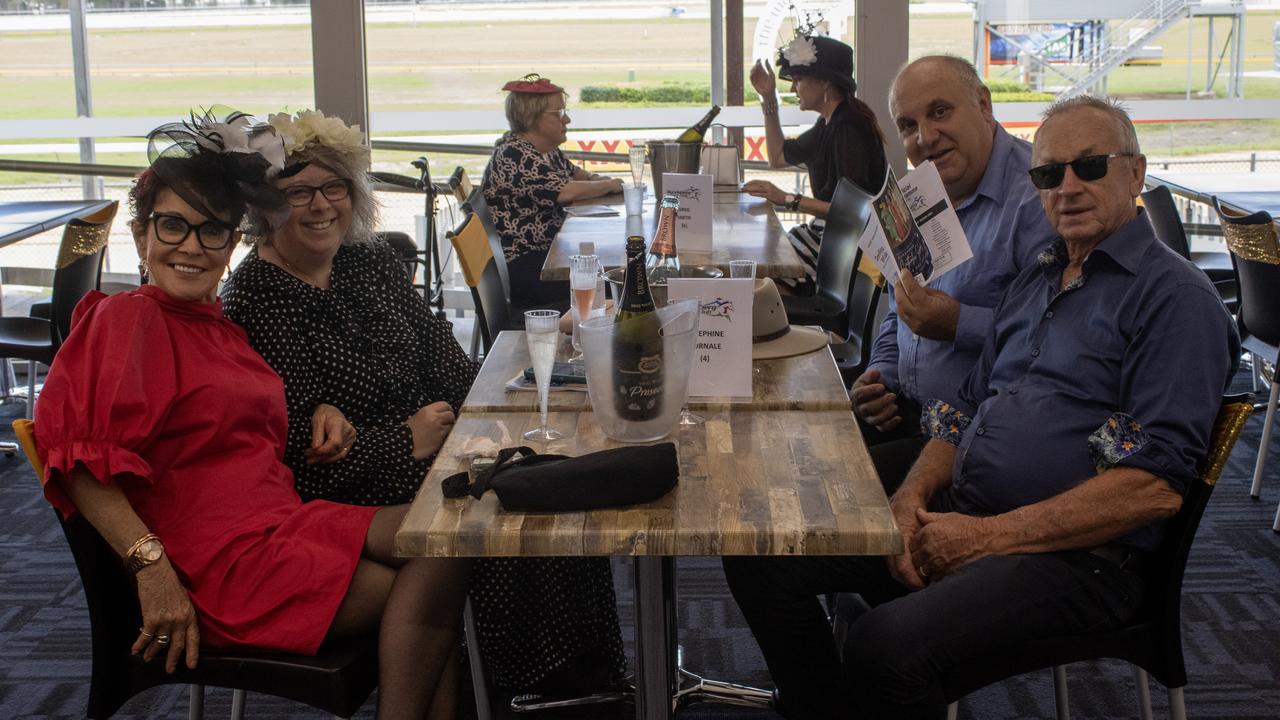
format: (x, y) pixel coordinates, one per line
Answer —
(584, 276)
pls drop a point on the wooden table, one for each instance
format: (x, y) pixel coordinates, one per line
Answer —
(803, 382)
(795, 481)
(743, 228)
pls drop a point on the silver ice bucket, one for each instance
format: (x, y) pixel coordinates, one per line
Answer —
(673, 157)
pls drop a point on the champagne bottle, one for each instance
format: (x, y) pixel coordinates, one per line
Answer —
(662, 262)
(637, 344)
(699, 129)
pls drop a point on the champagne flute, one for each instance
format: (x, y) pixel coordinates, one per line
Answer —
(542, 331)
(584, 273)
(636, 155)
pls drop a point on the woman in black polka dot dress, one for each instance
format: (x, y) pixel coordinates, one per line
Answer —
(333, 313)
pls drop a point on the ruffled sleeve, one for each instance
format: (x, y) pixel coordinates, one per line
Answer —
(106, 394)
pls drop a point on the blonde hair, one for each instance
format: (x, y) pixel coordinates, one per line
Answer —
(523, 108)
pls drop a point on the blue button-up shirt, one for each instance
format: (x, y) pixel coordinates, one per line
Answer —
(1006, 228)
(1125, 366)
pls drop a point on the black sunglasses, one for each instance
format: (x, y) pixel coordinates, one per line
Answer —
(333, 191)
(174, 230)
(1087, 168)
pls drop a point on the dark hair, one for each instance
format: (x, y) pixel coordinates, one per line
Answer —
(864, 111)
(142, 195)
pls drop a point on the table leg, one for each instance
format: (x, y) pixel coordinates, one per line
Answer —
(655, 638)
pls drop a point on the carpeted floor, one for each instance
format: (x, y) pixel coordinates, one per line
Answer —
(1231, 621)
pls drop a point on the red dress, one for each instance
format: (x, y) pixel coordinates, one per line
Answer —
(166, 399)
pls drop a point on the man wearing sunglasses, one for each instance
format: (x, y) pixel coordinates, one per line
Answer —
(1043, 488)
(931, 336)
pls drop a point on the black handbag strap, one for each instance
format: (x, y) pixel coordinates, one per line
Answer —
(459, 484)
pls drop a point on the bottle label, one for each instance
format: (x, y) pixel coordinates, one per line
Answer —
(664, 240)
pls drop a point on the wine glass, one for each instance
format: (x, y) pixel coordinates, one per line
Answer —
(636, 155)
(584, 274)
(542, 331)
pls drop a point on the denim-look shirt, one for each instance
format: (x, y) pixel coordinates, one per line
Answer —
(1006, 228)
(1126, 366)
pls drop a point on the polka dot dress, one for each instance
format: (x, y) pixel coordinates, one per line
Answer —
(371, 346)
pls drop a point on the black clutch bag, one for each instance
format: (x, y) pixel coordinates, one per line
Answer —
(528, 482)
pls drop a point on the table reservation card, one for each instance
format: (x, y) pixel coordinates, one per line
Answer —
(693, 221)
(722, 349)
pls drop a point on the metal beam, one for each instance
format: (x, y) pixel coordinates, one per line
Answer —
(880, 48)
(84, 95)
(339, 60)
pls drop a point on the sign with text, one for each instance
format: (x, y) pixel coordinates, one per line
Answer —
(721, 364)
(693, 220)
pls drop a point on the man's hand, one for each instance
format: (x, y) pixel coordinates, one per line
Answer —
(168, 618)
(901, 567)
(332, 436)
(762, 79)
(946, 542)
(929, 313)
(873, 402)
(430, 426)
(765, 189)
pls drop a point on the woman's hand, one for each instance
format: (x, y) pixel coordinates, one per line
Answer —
(765, 189)
(430, 426)
(332, 436)
(168, 618)
(762, 79)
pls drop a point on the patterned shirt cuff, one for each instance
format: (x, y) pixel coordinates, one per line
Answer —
(944, 421)
(1121, 436)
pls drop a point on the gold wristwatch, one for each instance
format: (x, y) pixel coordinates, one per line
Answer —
(147, 551)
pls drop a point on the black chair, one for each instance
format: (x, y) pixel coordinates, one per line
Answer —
(1152, 641)
(406, 249)
(1167, 222)
(78, 268)
(336, 680)
(1255, 254)
(853, 355)
(480, 268)
(837, 261)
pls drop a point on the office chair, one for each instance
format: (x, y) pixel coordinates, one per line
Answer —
(1255, 254)
(78, 268)
(837, 262)
(336, 680)
(1152, 640)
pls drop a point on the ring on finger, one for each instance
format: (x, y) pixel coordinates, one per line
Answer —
(145, 634)
(162, 640)
(923, 573)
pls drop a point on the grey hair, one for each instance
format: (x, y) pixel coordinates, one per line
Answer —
(525, 108)
(1114, 109)
(962, 69)
(348, 166)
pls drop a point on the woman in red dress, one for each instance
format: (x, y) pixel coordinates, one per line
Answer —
(162, 426)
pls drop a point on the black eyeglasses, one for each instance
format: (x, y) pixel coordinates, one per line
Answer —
(1087, 168)
(333, 191)
(174, 230)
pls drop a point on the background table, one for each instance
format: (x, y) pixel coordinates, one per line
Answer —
(23, 219)
(804, 382)
(743, 228)
(1246, 192)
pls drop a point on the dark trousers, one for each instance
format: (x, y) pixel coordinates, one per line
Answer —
(894, 452)
(529, 291)
(898, 652)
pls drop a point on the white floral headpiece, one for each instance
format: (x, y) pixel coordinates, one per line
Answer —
(303, 131)
(800, 51)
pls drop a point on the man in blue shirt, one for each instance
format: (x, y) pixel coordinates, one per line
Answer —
(1044, 485)
(932, 335)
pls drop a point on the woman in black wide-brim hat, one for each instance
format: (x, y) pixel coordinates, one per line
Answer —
(845, 142)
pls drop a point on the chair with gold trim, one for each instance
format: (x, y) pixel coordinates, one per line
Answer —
(337, 679)
(79, 266)
(1254, 244)
(1152, 640)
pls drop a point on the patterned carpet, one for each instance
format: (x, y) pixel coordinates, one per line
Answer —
(1231, 619)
